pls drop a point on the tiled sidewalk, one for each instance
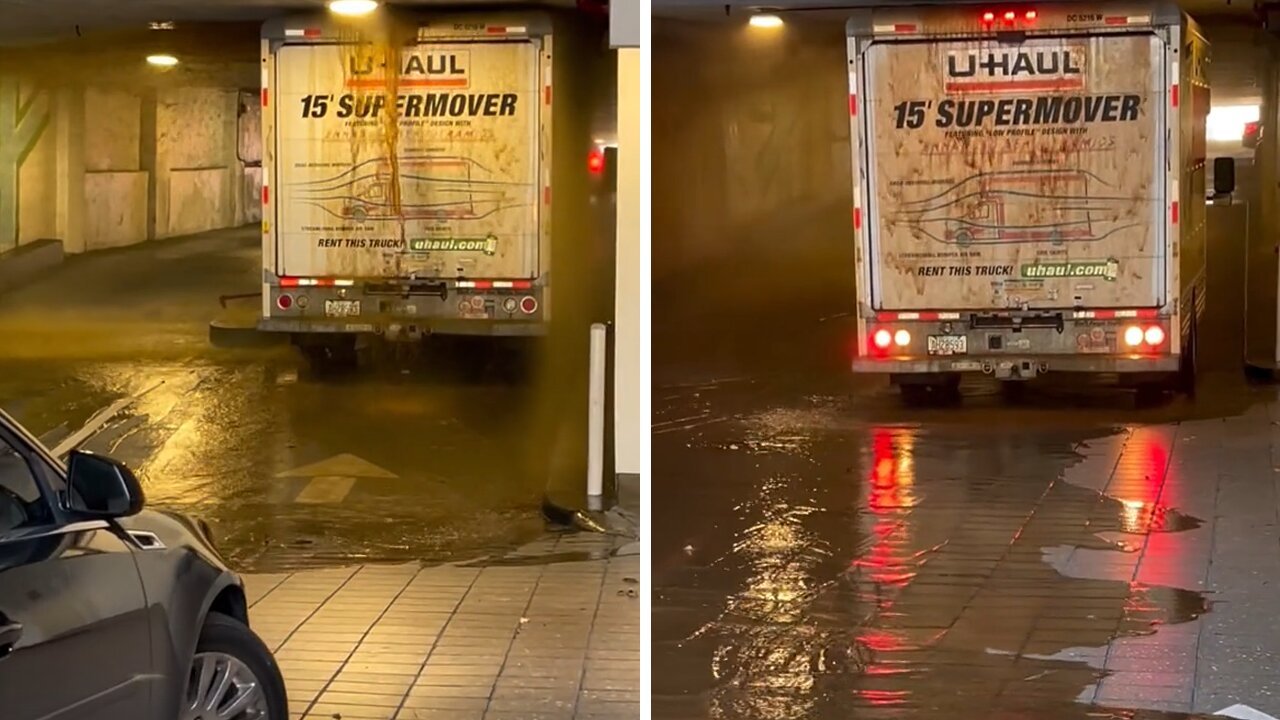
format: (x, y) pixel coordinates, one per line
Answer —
(550, 633)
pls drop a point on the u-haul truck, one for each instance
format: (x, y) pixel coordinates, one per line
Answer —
(417, 179)
(1028, 191)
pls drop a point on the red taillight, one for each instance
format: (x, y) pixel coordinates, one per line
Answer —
(1150, 337)
(882, 338)
(528, 305)
(1031, 15)
(1009, 16)
(988, 17)
(595, 162)
(284, 302)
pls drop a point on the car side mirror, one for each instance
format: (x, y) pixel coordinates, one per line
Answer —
(1224, 175)
(100, 487)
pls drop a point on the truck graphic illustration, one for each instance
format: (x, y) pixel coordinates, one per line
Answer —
(1020, 206)
(443, 187)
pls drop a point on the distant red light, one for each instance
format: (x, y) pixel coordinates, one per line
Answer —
(1031, 15)
(595, 162)
(988, 17)
(1009, 16)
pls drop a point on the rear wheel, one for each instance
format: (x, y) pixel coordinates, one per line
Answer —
(930, 392)
(330, 354)
(1013, 391)
(233, 676)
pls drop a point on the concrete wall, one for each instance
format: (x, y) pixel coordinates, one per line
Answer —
(113, 166)
(750, 149)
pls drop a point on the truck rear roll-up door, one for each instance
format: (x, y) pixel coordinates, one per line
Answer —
(448, 188)
(1016, 175)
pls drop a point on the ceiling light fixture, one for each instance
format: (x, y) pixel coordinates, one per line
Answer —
(352, 8)
(765, 20)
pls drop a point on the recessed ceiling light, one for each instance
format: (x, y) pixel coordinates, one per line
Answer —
(765, 20)
(352, 7)
(166, 61)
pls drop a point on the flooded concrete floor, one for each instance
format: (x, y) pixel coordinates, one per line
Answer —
(822, 551)
(424, 459)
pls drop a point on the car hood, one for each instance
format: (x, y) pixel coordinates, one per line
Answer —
(176, 530)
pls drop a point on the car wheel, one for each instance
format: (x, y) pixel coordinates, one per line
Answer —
(233, 676)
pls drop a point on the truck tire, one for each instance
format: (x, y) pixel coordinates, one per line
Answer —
(943, 391)
(332, 355)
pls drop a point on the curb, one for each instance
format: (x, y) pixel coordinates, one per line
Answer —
(26, 262)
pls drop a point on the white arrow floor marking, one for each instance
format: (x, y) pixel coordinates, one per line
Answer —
(1244, 712)
(333, 479)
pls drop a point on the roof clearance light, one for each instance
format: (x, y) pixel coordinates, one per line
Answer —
(1031, 15)
(352, 8)
(765, 20)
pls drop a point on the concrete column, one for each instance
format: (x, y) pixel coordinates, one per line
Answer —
(20, 128)
(629, 377)
(233, 215)
(147, 153)
(69, 129)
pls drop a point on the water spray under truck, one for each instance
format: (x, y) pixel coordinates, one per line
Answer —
(1028, 191)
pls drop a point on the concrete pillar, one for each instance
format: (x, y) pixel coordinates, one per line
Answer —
(147, 153)
(630, 387)
(69, 134)
(21, 125)
(233, 213)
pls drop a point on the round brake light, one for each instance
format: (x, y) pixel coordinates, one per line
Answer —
(1154, 335)
(902, 338)
(284, 302)
(528, 304)
(882, 338)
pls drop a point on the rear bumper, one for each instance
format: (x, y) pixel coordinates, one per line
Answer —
(988, 364)
(408, 328)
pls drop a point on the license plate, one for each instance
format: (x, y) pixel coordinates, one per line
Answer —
(341, 308)
(948, 344)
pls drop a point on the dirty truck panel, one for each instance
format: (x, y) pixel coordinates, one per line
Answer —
(446, 188)
(1037, 189)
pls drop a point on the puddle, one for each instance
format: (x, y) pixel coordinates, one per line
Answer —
(843, 571)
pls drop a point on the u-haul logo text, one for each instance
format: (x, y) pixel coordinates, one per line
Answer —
(439, 69)
(1015, 70)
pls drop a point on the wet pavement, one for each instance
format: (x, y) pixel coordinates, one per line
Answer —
(550, 632)
(822, 551)
(425, 458)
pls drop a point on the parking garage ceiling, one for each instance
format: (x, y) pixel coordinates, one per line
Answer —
(25, 22)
